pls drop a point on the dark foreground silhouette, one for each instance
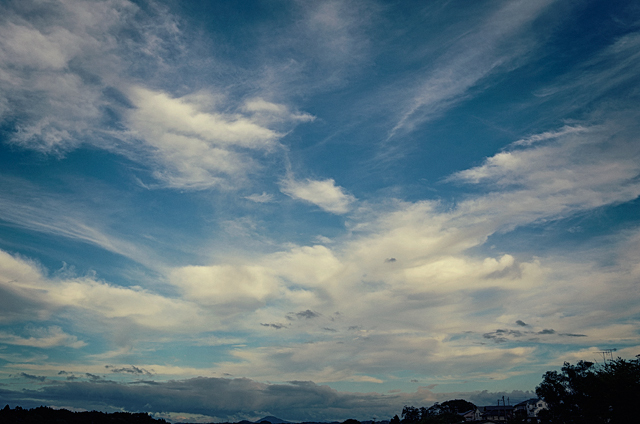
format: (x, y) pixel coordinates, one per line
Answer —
(588, 393)
(46, 415)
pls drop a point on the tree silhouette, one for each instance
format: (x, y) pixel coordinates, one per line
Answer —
(592, 394)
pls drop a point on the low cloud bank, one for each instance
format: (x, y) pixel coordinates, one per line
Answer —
(223, 399)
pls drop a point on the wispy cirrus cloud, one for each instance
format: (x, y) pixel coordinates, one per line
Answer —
(31, 207)
(495, 44)
(611, 69)
(327, 41)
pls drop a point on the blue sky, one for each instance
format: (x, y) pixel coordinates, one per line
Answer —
(324, 210)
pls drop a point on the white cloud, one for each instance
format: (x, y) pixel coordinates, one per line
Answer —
(157, 113)
(268, 113)
(43, 338)
(196, 148)
(322, 193)
(226, 286)
(567, 129)
(573, 171)
(260, 198)
(315, 267)
(52, 51)
(95, 300)
(53, 69)
(434, 275)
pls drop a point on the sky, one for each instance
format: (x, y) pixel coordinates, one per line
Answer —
(318, 210)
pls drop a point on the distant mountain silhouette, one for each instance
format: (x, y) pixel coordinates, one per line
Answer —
(273, 420)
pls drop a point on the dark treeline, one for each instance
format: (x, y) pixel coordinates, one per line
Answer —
(46, 415)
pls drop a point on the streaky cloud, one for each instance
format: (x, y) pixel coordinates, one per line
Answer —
(476, 55)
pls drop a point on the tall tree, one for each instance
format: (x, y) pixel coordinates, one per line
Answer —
(593, 394)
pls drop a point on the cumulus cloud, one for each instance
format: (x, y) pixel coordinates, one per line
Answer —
(322, 193)
(249, 285)
(434, 274)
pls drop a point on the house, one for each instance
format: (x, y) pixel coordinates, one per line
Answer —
(497, 413)
(471, 415)
(530, 409)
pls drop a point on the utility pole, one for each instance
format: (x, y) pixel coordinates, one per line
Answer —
(607, 352)
(504, 408)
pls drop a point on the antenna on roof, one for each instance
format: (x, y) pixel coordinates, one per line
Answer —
(607, 352)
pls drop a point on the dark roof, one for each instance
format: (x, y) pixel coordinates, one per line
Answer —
(498, 408)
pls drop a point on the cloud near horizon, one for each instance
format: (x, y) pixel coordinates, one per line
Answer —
(219, 399)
